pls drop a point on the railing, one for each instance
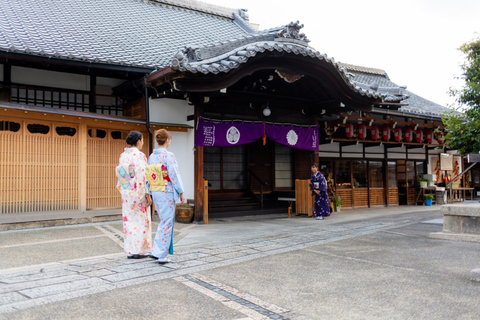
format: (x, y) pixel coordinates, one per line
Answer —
(251, 175)
(67, 99)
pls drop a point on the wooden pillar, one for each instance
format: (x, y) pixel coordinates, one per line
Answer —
(92, 98)
(82, 167)
(315, 154)
(385, 176)
(198, 176)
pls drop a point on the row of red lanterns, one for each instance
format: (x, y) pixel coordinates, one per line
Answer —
(410, 134)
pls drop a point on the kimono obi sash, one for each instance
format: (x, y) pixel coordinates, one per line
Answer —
(157, 176)
(125, 174)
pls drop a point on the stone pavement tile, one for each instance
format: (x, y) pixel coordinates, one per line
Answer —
(11, 297)
(155, 268)
(40, 283)
(210, 259)
(141, 264)
(185, 264)
(19, 277)
(189, 256)
(272, 247)
(89, 262)
(62, 288)
(98, 273)
(231, 255)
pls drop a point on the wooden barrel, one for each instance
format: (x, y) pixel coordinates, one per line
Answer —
(183, 213)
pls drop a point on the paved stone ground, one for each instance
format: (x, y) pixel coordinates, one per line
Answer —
(380, 268)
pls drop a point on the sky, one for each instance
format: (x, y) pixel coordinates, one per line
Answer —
(415, 41)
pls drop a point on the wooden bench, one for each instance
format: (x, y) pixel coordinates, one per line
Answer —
(290, 204)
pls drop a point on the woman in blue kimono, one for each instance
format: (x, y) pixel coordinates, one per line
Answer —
(168, 191)
(318, 185)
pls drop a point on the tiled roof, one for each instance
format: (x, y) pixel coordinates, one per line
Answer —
(228, 55)
(416, 104)
(120, 32)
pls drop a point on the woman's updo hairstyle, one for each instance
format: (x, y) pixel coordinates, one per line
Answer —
(133, 138)
(162, 136)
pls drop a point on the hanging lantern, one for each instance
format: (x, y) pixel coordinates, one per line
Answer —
(397, 134)
(439, 138)
(386, 133)
(429, 136)
(408, 135)
(375, 132)
(419, 135)
(349, 130)
(362, 131)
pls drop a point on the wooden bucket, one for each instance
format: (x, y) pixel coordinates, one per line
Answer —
(183, 213)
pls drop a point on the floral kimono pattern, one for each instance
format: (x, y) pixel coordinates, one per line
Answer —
(132, 185)
(165, 201)
(321, 206)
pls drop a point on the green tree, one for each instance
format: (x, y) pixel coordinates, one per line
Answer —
(463, 128)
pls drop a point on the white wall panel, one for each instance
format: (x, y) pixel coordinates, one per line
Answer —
(54, 79)
(170, 111)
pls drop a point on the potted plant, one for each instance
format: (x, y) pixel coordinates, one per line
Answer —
(428, 199)
(423, 182)
(337, 203)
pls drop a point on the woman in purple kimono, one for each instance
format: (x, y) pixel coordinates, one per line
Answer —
(166, 190)
(318, 185)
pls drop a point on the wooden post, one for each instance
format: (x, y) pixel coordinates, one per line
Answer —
(82, 167)
(198, 179)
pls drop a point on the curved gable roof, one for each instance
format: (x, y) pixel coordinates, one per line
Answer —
(223, 57)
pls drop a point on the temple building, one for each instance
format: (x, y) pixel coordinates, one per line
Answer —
(249, 110)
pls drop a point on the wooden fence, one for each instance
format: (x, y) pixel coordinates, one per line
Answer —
(50, 166)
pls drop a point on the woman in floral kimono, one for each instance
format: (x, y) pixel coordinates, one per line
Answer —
(318, 185)
(135, 198)
(166, 188)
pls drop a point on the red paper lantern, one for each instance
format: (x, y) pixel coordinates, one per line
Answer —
(429, 136)
(375, 132)
(419, 135)
(440, 138)
(362, 131)
(408, 135)
(349, 130)
(386, 133)
(397, 134)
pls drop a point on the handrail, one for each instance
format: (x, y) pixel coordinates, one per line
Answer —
(262, 183)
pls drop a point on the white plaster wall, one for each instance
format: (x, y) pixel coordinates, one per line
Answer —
(352, 155)
(50, 78)
(334, 146)
(396, 156)
(374, 155)
(182, 146)
(170, 111)
(354, 148)
(328, 155)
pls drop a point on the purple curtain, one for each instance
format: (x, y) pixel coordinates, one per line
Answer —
(222, 134)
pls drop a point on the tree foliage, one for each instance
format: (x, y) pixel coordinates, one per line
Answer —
(463, 129)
